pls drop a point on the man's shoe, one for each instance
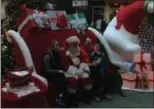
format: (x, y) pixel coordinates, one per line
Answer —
(107, 96)
(97, 98)
(60, 102)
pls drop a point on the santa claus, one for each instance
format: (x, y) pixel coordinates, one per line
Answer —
(77, 70)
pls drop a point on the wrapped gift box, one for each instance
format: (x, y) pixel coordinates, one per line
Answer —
(129, 80)
(29, 19)
(143, 65)
(58, 19)
(143, 62)
(77, 19)
(150, 79)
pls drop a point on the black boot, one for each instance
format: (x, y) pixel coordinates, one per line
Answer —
(87, 97)
(122, 93)
(71, 101)
(60, 100)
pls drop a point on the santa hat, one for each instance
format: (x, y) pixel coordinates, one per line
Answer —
(73, 39)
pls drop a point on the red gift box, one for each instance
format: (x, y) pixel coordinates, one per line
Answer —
(143, 62)
(26, 20)
(129, 80)
(142, 65)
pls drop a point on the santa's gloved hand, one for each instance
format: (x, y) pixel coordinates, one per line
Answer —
(85, 75)
(72, 70)
(87, 69)
(79, 72)
(84, 67)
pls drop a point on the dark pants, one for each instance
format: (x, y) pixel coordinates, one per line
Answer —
(112, 81)
(97, 78)
(108, 82)
(59, 81)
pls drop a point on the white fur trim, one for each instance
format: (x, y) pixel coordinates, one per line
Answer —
(67, 53)
(72, 70)
(25, 52)
(24, 90)
(84, 67)
(84, 75)
(70, 75)
(29, 17)
(70, 55)
(80, 72)
(76, 61)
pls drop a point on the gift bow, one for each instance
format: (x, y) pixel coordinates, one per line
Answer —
(41, 19)
(142, 63)
(60, 20)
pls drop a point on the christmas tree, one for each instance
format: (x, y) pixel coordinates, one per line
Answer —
(13, 10)
(7, 56)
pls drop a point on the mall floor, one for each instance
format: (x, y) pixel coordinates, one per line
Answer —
(133, 100)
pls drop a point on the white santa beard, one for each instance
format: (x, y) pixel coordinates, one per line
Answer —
(75, 51)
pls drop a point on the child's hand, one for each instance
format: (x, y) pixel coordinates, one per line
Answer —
(98, 61)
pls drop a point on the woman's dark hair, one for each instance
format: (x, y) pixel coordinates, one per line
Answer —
(51, 48)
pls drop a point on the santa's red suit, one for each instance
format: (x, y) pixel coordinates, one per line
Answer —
(77, 69)
(131, 17)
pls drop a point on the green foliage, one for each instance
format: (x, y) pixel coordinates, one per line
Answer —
(7, 58)
(13, 10)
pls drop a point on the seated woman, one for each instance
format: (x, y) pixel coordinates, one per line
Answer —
(53, 71)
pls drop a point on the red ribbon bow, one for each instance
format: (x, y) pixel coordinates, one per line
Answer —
(142, 63)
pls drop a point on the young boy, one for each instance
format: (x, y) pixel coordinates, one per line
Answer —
(96, 58)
